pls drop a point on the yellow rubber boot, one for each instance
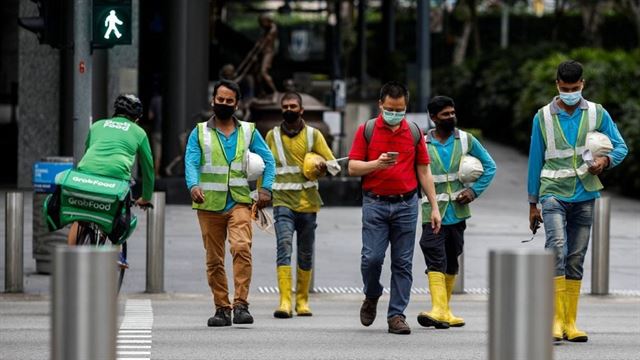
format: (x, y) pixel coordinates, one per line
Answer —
(572, 333)
(284, 285)
(438, 315)
(303, 282)
(450, 282)
(558, 317)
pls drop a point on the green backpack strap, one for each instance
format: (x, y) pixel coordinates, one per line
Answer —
(368, 129)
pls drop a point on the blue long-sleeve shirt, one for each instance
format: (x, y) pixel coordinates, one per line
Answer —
(476, 150)
(193, 155)
(570, 125)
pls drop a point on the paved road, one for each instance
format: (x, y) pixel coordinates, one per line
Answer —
(334, 332)
(499, 221)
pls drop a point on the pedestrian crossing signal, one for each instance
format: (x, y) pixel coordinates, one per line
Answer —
(112, 22)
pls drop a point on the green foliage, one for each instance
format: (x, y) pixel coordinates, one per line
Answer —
(501, 92)
(611, 79)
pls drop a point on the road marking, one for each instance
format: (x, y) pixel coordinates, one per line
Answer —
(420, 290)
(135, 329)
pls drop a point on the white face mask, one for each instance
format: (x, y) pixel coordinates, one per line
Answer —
(571, 98)
(393, 118)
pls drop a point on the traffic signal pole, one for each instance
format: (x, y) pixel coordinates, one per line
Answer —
(81, 75)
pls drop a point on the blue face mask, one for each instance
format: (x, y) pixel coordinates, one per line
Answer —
(571, 98)
(393, 118)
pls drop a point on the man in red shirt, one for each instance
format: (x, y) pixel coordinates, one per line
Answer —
(391, 160)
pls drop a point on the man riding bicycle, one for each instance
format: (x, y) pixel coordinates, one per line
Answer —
(111, 147)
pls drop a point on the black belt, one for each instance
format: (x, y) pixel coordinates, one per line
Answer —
(391, 198)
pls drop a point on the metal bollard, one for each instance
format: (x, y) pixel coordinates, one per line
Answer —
(312, 284)
(458, 287)
(600, 251)
(84, 303)
(14, 242)
(155, 244)
(520, 305)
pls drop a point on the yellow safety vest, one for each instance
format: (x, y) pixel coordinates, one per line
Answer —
(563, 163)
(217, 175)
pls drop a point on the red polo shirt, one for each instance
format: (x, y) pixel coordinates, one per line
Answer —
(400, 178)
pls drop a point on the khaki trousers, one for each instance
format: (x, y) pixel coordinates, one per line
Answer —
(216, 228)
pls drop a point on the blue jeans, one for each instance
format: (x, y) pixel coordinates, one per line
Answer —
(567, 227)
(383, 224)
(304, 224)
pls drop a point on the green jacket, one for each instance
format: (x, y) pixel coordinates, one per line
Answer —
(111, 147)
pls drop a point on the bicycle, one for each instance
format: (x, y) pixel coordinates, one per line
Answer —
(100, 205)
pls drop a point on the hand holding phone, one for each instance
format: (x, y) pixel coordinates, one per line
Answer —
(393, 154)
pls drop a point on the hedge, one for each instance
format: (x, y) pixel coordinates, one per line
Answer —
(499, 93)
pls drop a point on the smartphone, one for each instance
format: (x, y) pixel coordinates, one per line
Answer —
(393, 154)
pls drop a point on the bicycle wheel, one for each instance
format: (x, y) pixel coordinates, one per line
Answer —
(86, 235)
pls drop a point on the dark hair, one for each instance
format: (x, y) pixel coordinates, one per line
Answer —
(569, 71)
(228, 84)
(291, 95)
(127, 105)
(395, 90)
(438, 103)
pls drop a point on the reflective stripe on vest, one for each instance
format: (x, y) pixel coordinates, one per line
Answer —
(563, 162)
(285, 169)
(217, 177)
(448, 186)
(552, 152)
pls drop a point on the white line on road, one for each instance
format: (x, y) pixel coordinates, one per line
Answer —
(135, 329)
(121, 341)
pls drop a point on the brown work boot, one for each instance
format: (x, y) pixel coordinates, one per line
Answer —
(368, 311)
(398, 325)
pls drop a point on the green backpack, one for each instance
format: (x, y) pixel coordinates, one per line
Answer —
(90, 198)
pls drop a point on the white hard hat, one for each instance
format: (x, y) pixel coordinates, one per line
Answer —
(254, 166)
(598, 143)
(470, 169)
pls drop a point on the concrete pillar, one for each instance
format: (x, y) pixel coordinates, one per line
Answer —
(188, 72)
(38, 96)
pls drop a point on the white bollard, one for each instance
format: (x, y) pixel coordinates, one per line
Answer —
(520, 304)
(600, 251)
(155, 244)
(14, 242)
(84, 303)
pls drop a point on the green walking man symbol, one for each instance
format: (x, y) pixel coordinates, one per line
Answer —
(110, 23)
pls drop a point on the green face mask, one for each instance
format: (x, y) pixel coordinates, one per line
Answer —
(393, 118)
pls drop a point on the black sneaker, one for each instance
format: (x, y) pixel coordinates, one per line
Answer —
(241, 314)
(221, 318)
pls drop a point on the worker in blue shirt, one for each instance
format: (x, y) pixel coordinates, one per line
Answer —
(447, 147)
(216, 176)
(566, 186)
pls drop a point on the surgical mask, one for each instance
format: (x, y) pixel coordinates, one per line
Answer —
(571, 98)
(290, 117)
(223, 112)
(392, 118)
(447, 124)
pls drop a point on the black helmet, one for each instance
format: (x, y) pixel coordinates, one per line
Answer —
(128, 105)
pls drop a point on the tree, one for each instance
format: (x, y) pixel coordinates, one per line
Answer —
(467, 10)
(592, 16)
(634, 9)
